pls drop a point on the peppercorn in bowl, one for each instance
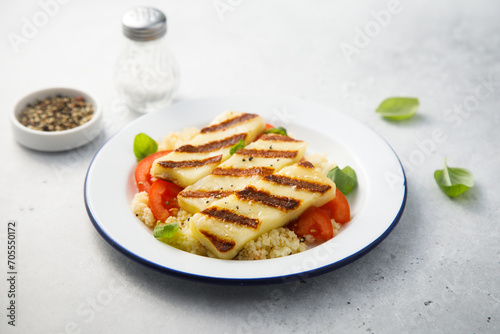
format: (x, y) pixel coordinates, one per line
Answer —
(56, 119)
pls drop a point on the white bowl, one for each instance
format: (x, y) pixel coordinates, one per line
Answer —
(53, 141)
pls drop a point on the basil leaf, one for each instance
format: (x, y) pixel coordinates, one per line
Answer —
(166, 231)
(350, 172)
(344, 179)
(454, 181)
(279, 131)
(237, 146)
(398, 108)
(144, 145)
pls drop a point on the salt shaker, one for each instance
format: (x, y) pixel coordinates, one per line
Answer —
(146, 73)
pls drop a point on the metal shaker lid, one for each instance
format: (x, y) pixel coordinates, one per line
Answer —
(144, 24)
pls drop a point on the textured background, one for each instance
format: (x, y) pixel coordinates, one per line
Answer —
(438, 272)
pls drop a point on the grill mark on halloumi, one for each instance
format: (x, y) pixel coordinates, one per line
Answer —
(303, 185)
(212, 146)
(295, 182)
(222, 245)
(228, 123)
(181, 168)
(231, 171)
(205, 193)
(231, 217)
(190, 163)
(282, 203)
(278, 138)
(306, 164)
(267, 153)
(240, 171)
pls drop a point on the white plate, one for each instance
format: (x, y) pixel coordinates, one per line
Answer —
(376, 204)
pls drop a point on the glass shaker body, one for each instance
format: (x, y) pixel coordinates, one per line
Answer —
(146, 73)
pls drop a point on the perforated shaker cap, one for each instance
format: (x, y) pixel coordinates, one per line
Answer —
(144, 24)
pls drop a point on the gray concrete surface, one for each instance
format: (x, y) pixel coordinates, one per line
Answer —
(438, 272)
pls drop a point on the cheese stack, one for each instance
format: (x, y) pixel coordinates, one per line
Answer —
(197, 158)
(229, 223)
(263, 157)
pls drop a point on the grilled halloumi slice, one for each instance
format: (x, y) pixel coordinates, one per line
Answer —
(263, 157)
(229, 223)
(196, 159)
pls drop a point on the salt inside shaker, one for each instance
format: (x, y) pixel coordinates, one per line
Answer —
(146, 73)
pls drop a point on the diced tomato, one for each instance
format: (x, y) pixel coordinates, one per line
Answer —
(163, 198)
(338, 208)
(142, 176)
(315, 222)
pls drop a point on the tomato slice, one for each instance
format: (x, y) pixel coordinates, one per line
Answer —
(163, 198)
(142, 176)
(269, 126)
(338, 208)
(315, 222)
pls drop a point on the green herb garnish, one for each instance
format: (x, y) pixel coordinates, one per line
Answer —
(279, 131)
(398, 108)
(144, 145)
(166, 231)
(345, 179)
(453, 181)
(237, 146)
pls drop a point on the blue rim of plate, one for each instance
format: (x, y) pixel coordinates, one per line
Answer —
(244, 281)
